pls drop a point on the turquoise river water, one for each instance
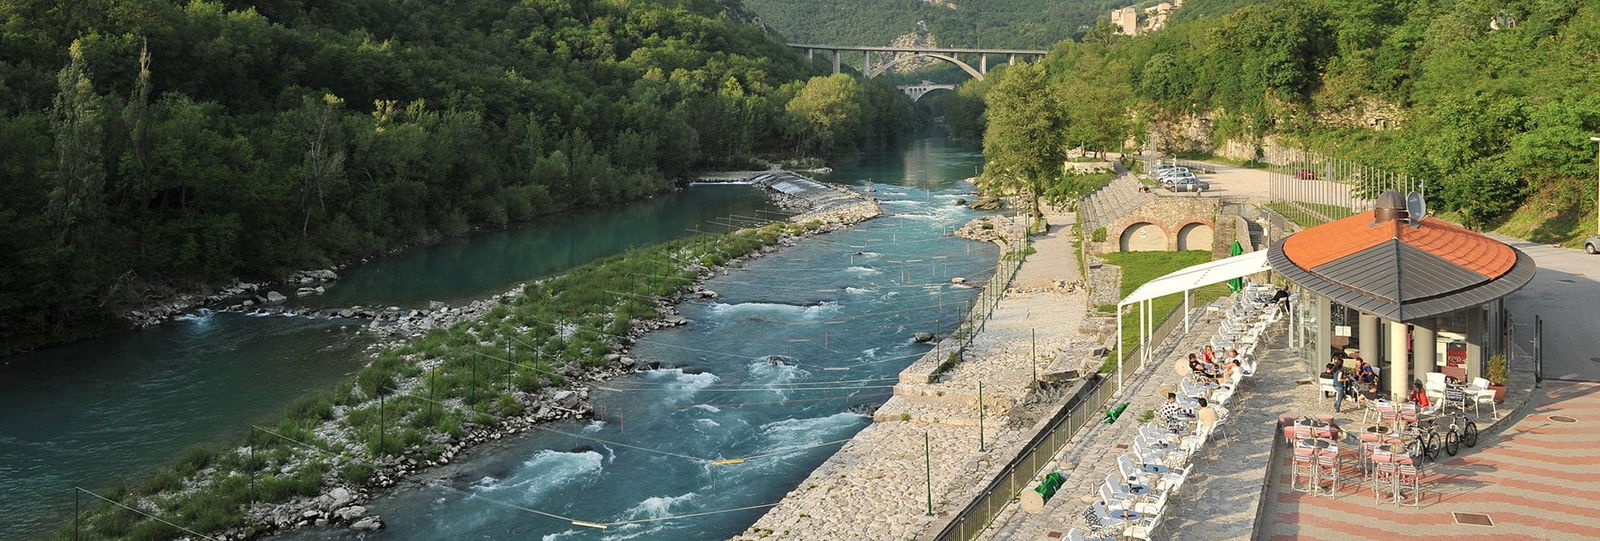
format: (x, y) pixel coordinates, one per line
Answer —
(112, 410)
(841, 310)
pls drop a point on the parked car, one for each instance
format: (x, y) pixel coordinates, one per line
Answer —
(1592, 244)
(1190, 184)
(1305, 174)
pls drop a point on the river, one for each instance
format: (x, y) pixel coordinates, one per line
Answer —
(839, 311)
(114, 409)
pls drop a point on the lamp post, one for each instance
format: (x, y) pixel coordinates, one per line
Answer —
(1596, 140)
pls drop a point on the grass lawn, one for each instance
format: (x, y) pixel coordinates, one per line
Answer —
(1141, 267)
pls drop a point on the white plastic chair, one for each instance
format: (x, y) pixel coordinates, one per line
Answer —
(1324, 387)
(1479, 394)
(1143, 528)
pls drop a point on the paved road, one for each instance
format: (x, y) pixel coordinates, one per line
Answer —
(1565, 293)
(1536, 480)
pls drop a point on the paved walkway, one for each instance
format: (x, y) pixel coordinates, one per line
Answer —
(1092, 453)
(1536, 480)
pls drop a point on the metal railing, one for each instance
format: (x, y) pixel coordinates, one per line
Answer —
(1082, 408)
(1078, 412)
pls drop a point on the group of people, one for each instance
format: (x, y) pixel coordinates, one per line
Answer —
(1207, 368)
(1358, 382)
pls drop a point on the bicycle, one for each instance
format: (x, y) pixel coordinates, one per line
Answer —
(1461, 431)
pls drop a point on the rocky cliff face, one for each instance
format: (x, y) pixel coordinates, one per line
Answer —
(919, 36)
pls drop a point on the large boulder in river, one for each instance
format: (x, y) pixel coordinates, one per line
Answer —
(369, 524)
(924, 337)
(987, 203)
(350, 513)
(274, 297)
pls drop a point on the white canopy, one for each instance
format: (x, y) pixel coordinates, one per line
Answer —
(1204, 274)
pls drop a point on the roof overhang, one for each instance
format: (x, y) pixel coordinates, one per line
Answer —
(1407, 298)
(1204, 274)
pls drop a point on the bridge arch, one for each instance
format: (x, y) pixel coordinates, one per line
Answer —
(917, 91)
(880, 69)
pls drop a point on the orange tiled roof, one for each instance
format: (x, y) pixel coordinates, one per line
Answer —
(1334, 240)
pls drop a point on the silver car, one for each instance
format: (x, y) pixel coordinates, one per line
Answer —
(1592, 244)
(1189, 184)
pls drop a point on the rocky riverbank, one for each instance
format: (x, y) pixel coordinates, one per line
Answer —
(341, 504)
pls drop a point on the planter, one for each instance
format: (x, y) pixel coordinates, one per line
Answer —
(1499, 392)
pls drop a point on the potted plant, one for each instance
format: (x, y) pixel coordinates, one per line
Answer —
(1496, 375)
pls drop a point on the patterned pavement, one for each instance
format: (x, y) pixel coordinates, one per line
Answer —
(1536, 480)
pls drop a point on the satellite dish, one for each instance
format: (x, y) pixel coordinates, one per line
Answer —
(1416, 207)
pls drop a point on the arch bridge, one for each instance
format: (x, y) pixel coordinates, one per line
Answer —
(906, 54)
(917, 91)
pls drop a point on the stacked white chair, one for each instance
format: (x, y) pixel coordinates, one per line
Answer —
(1158, 459)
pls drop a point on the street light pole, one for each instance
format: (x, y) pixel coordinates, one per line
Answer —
(1597, 183)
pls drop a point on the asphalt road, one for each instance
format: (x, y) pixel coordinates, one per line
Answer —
(1565, 293)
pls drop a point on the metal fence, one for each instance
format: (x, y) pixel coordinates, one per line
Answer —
(1312, 189)
(992, 291)
(1524, 344)
(1079, 411)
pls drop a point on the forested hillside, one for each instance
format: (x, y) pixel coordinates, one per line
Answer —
(1492, 103)
(1031, 24)
(153, 144)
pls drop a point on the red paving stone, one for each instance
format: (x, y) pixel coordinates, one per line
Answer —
(1539, 479)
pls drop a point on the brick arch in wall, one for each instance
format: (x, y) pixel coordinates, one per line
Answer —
(1140, 235)
(1194, 235)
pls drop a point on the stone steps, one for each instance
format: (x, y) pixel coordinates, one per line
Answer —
(903, 409)
(948, 396)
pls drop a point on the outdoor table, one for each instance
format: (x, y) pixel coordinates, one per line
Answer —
(1316, 443)
(1138, 490)
(1378, 429)
(1126, 514)
(1392, 449)
(1154, 468)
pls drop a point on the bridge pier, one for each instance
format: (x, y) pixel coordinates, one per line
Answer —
(866, 63)
(811, 54)
(983, 63)
(1012, 60)
(835, 61)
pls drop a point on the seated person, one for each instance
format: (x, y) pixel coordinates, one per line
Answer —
(1199, 369)
(1364, 372)
(1372, 393)
(1175, 416)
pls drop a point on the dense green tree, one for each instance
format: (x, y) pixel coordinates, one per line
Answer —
(1024, 142)
(156, 146)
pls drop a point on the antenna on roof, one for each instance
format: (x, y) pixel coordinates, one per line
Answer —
(1416, 207)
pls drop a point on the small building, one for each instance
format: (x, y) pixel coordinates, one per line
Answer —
(1420, 294)
(1410, 295)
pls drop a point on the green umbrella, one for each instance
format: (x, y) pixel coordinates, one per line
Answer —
(1236, 284)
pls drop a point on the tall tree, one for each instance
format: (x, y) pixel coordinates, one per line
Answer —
(1024, 141)
(76, 120)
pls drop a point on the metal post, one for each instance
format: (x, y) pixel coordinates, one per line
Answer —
(1119, 348)
(927, 470)
(1034, 356)
(383, 426)
(980, 417)
(431, 375)
(1597, 182)
(1186, 311)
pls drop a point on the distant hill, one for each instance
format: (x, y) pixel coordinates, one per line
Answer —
(1035, 24)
